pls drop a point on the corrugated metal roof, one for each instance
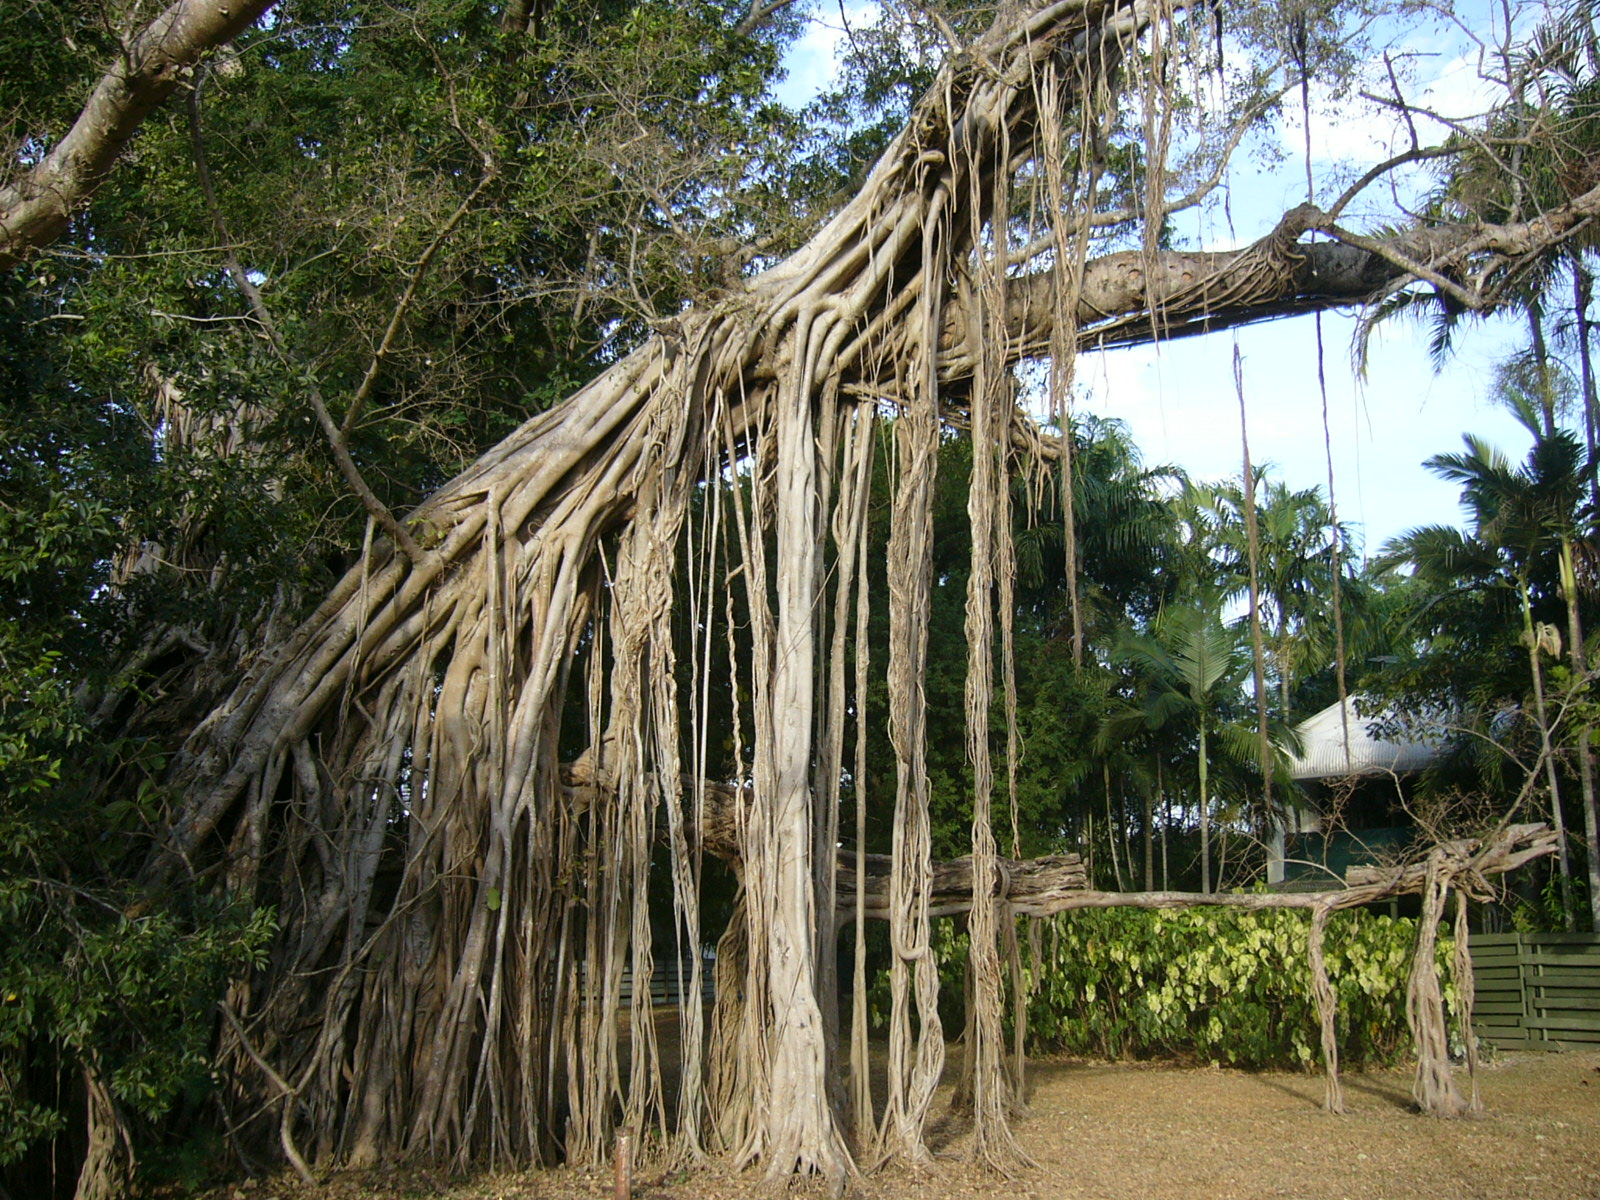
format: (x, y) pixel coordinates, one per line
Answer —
(1323, 753)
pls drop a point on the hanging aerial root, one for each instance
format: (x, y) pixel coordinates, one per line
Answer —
(1327, 1003)
(1466, 990)
(1435, 1087)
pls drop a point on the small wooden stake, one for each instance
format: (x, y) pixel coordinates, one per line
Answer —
(624, 1166)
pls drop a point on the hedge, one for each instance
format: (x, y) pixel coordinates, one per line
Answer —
(1221, 985)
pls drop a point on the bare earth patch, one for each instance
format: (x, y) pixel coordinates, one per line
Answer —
(1120, 1132)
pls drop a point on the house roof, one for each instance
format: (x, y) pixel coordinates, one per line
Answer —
(1323, 754)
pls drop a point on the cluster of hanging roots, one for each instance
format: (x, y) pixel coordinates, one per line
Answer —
(459, 912)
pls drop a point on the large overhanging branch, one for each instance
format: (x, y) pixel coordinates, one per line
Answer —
(1129, 298)
(36, 208)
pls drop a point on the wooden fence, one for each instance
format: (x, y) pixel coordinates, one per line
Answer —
(1536, 991)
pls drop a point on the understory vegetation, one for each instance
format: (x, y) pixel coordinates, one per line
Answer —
(1222, 987)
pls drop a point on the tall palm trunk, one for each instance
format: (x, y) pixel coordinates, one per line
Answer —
(1575, 656)
(1583, 292)
(1149, 843)
(1112, 831)
(1285, 672)
(1167, 823)
(1205, 812)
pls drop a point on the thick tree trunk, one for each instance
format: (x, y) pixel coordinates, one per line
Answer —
(801, 1130)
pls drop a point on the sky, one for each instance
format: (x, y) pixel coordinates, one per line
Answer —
(1179, 400)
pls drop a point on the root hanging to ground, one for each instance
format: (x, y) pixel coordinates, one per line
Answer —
(1466, 989)
(1327, 1002)
(1435, 1087)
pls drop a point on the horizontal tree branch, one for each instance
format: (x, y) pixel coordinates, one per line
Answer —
(1130, 298)
(1058, 883)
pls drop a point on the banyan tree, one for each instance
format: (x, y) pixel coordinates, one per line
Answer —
(464, 779)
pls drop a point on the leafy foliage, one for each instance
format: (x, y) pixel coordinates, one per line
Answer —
(1224, 986)
(93, 977)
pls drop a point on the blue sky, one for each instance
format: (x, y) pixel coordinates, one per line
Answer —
(1179, 399)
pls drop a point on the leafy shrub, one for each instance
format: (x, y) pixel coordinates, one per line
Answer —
(94, 974)
(1222, 985)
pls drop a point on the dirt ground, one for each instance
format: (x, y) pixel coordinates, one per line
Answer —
(1120, 1132)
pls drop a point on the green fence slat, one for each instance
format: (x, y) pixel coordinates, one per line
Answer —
(1572, 1004)
(1589, 1024)
(1560, 939)
(1562, 977)
(1496, 1008)
(1589, 961)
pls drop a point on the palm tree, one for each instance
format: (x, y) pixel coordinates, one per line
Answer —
(1190, 669)
(1524, 521)
(1294, 536)
(1125, 533)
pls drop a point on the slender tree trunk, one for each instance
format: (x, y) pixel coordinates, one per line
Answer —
(1069, 530)
(1222, 857)
(1580, 669)
(1285, 673)
(1258, 653)
(1112, 836)
(1583, 293)
(1556, 819)
(1088, 844)
(1541, 359)
(1166, 824)
(1149, 843)
(1205, 814)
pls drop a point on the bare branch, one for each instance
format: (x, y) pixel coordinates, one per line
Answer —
(758, 12)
